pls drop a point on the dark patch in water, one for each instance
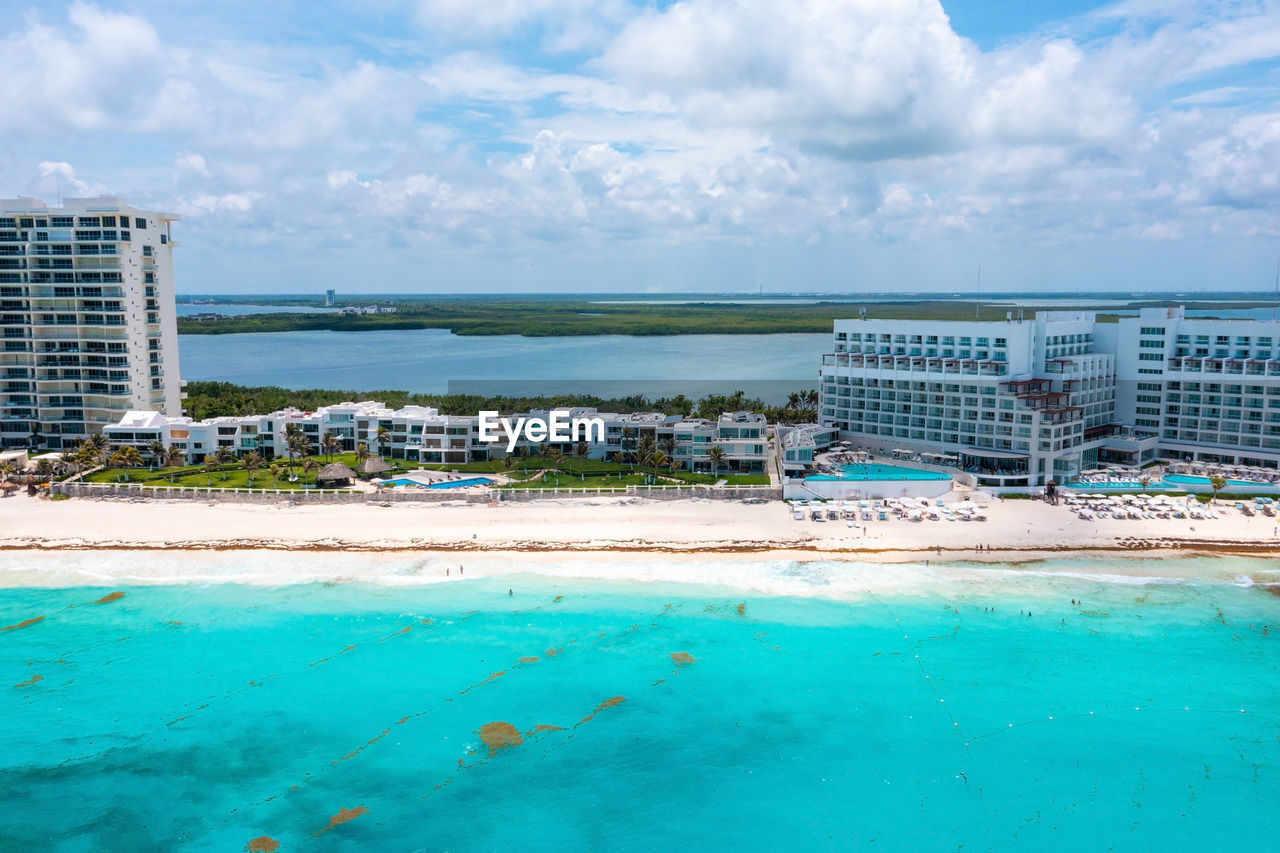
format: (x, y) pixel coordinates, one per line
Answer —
(530, 659)
(262, 844)
(608, 703)
(498, 736)
(110, 597)
(23, 624)
(30, 681)
(343, 816)
(681, 658)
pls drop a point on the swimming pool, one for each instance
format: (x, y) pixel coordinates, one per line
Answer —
(447, 484)
(876, 471)
(1192, 480)
(458, 484)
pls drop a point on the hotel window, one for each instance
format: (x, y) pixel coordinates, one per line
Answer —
(139, 223)
(1151, 344)
(1001, 343)
(1153, 330)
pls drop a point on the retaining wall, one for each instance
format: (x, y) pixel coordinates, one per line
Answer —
(423, 496)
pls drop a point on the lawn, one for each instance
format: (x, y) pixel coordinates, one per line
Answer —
(232, 476)
(572, 473)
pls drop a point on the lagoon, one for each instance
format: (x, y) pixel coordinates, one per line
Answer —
(431, 360)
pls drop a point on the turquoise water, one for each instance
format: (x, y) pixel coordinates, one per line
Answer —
(1191, 480)
(451, 484)
(876, 471)
(200, 717)
(457, 484)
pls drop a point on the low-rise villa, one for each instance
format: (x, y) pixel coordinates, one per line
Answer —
(422, 434)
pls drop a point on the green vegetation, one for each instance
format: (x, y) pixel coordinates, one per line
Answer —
(237, 475)
(219, 399)
(532, 472)
(578, 316)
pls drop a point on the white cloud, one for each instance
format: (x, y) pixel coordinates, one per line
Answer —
(584, 123)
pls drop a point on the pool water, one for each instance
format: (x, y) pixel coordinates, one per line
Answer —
(450, 484)
(1192, 480)
(457, 484)
(876, 471)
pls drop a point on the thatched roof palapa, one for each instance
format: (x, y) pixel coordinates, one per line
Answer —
(334, 472)
(373, 465)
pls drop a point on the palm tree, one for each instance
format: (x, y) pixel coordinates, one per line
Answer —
(1217, 482)
(275, 470)
(793, 401)
(155, 451)
(581, 450)
(554, 454)
(362, 452)
(382, 435)
(716, 454)
(293, 439)
(224, 455)
(308, 465)
(210, 463)
(1144, 480)
(251, 462)
(331, 444)
(125, 458)
(174, 457)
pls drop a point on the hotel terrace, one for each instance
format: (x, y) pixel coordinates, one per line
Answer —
(421, 434)
(1021, 402)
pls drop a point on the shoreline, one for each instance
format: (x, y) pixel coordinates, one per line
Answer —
(616, 528)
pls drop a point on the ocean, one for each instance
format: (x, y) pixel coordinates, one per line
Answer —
(374, 704)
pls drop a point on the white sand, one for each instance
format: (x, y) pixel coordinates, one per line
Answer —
(1016, 529)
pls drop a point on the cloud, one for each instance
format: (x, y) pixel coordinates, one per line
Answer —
(579, 126)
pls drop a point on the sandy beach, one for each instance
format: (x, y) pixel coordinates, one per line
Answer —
(1017, 530)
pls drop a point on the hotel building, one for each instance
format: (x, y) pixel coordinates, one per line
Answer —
(424, 435)
(1022, 402)
(87, 318)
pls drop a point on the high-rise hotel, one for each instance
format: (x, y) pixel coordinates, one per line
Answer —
(87, 317)
(1019, 403)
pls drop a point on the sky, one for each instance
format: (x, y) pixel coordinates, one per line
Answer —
(814, 146)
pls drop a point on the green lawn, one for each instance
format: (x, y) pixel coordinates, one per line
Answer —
(232, 476)
(574, 473)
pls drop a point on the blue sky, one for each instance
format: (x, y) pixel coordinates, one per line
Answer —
(714, 145)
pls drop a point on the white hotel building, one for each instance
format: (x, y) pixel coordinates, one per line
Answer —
(422, 434)
(1024, 402)
(87, 318)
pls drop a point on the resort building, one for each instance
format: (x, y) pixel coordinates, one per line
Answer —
(424, 435)
(1019, 403)
(88, 318)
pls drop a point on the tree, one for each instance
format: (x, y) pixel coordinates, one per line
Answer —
(293, 442)
(383, 436)
(308, 465)
(125, 458)
(155, 452)
(331, 444)
(274, 469)
(1144, 480)
(716, 454)
(362, 452)
(251, 462)
(224, 455)
(1217, 482)
(582, 449)
(554, 454)
(174, 457)
(210, 463)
